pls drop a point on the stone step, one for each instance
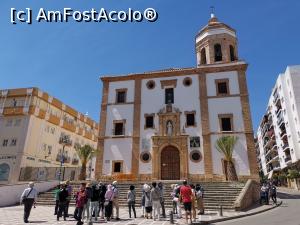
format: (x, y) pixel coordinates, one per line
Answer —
(215, 194)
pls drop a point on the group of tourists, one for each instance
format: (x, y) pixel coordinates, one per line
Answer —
(268, 190)
(191, 196)
(95, 200)
(91, 200)
(99, 200)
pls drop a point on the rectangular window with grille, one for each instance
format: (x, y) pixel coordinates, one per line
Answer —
(169, 96)
(222, 86)
(190, 119)
(117, 167)
(149, 123)
(226, 122)
(121, 95)
(119, 129)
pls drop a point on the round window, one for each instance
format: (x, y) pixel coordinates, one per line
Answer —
(195, 156)
(145, 157)
(150, 84)
(187, 81)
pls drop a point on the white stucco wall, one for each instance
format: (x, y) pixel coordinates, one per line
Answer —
(119, 112)
(117, 149)
(129, 85)
(11, 194)
(229, 105)
(240, 156)
(233, 82)
(185, 99)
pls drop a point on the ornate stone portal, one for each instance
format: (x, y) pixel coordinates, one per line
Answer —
(168, 138)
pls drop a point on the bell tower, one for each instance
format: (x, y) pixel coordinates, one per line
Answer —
(216, 43)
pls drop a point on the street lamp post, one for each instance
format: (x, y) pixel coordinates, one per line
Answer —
(64, 140)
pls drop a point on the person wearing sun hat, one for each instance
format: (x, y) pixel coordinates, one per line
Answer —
(115, 199)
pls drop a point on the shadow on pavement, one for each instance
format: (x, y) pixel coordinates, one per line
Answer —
(38, 222)
(282, 195)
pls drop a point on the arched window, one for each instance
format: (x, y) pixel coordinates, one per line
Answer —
(203, 56)
(232, 55)
(4, 172)
(218, 52)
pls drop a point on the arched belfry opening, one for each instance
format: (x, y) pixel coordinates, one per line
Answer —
(216, 42)
(203, 57)
(218, 52)
(232, 53)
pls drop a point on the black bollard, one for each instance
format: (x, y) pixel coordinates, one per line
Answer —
(171, 217)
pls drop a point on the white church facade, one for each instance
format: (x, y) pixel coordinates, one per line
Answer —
(163, 125)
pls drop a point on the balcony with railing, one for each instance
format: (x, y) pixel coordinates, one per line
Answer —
(285, 146)
(75, 161)
(275, 96)
(270, 150)
(63, 158)
(273, 157)
(280, 118)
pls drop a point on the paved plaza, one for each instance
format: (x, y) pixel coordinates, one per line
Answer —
(44, 215)
(286, 213)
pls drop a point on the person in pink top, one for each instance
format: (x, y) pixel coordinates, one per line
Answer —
(109, 196)
(186, 198)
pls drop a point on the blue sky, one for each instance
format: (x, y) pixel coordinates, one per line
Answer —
(66, 59)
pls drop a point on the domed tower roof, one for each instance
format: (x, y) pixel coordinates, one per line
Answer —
(216, 43)
(214, 26)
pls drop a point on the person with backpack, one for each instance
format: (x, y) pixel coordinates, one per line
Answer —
(162, 200)
(70, 190)
(62, 204)
(81, 199)
(193, 196)
(94, 207)
(174, 203)
(177, 200)
(103, 189)
(143, 201)
(264, 194)
(156, 199)
(199, 198)
(273, 193)
(116, 200)
(55, 192)
(87, 205)
(131, 200)
(186, 197)
(28, 198)
(148, 201)
(108, 204)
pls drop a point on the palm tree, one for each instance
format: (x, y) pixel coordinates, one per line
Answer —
(85, 153)
(226, 145)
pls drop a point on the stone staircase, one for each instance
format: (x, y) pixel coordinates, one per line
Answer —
(215, 194)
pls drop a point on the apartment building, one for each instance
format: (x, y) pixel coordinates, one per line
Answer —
(32, 125)
(278, 135)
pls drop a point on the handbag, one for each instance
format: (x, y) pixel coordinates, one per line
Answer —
(25, 197)
(106, 203)
(175, 199)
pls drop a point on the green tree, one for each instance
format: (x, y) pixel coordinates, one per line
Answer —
(85, 153)
(225, 145)
(293, 174)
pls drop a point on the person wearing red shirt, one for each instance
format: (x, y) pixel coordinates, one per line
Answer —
(186, 198)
